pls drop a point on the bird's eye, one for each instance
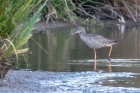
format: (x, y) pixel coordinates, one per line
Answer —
(76, 29)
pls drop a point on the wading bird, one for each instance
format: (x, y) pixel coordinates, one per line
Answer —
(94, 41)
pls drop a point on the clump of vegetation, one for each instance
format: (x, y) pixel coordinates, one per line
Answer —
(72, 10)
(12, 13)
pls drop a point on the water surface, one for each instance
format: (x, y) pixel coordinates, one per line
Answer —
(72, 55)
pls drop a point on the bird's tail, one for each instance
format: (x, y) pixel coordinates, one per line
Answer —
(115, 42)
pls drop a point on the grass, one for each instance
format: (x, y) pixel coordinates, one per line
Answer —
(12, 13)
(82, 10)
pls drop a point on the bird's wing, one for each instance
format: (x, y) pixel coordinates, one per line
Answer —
(101, 39)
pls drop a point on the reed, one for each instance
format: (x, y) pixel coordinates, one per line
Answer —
(73, 10)
(12, 13)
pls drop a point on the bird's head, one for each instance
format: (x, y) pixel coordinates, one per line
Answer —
(79, 29)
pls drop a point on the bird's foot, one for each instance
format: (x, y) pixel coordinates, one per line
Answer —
(109, 58)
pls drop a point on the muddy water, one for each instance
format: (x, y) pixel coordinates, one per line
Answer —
(73, 60)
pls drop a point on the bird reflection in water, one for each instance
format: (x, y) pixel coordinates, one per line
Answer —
(95, 41)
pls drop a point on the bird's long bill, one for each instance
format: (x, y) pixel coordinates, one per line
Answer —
(70, 35)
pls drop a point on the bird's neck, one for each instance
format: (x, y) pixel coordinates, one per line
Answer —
(82, 32)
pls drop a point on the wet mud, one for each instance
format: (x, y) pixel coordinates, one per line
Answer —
(64, 82)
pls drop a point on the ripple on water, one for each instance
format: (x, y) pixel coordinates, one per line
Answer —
(113, 62)
(68, 82)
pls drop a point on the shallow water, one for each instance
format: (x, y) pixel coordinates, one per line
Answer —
(73, 56)
(68, 82)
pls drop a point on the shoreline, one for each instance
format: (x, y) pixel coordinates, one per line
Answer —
(64, 82)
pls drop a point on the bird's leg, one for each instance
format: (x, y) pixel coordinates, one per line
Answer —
(109, 53)
(109, 67)
(94, 60)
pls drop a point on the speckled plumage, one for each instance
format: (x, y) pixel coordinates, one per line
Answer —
(94, 41)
